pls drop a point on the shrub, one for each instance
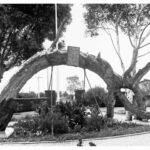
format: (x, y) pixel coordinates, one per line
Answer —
(74, 112)
(100, 95)
(28, 125)
(77, 128)
(60, 123)
(43, 124)
(95, 122)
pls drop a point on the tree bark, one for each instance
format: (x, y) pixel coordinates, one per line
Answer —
(45, 59)
(139, 101)
(110, 104)
(130, 107)
(1, 72)
(7, 108)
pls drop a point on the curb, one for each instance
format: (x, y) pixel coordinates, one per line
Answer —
(68, 141)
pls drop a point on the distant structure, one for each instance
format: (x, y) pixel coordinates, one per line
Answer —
(145, 87)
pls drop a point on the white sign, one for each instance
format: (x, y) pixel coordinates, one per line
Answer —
(73, 56)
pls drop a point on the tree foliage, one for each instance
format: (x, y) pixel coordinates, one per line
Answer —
(132, 19)
(98, 94)
(127, 16)
(23, 28)
(73, 84)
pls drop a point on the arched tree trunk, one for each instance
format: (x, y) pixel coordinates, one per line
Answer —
(7, 108)
(1, 72)
(45, 59)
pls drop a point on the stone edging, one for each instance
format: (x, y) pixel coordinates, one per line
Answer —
(68, 141)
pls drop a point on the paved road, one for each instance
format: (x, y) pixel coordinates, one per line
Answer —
(138, 140)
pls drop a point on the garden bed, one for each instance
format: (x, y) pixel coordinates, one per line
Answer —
(120, 129)
(70, 122)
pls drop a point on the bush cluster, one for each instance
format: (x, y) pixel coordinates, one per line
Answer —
(69, 117)
(99, 93)
(66, 118)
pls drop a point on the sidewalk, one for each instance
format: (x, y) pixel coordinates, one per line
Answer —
(121, 117)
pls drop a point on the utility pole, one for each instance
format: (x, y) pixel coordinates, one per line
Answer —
(47, 78)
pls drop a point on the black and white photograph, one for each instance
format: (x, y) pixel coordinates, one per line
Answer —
(74, 73)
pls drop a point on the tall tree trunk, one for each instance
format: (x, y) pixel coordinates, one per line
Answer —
(139, 102)
(7, 109)
(110, 104)
(130, 98)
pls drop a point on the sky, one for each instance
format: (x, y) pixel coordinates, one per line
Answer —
(75, 36)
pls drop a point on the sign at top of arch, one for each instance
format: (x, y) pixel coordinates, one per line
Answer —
(73, 56)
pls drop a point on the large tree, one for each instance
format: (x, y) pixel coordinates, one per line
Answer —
(24, 27)
(134, 21)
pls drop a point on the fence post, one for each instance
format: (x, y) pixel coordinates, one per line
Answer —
(79, 95)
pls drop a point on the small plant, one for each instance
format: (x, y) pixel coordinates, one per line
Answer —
(95, 122)
(74, 112)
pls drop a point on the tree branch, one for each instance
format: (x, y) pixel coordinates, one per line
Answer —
(105, 28)
(128, 30)
(134, 56)
(144, 45)
(131, 107)
(12, 63)
(117, 52)
(130, 39)
(133, 63)
(109, 34)
(58, 34)
(118, 40)
(6, 44)
(140, 38)
(140, 74)
(144, 54)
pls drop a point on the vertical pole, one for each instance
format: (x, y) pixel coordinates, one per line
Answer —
(38, 87)
(38, 78)
(57, 71)
(51, 82)
(84, 81)
(47, 78)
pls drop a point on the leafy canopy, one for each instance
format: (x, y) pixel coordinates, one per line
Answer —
(129, 17)
(73, 83)
(23, 28)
